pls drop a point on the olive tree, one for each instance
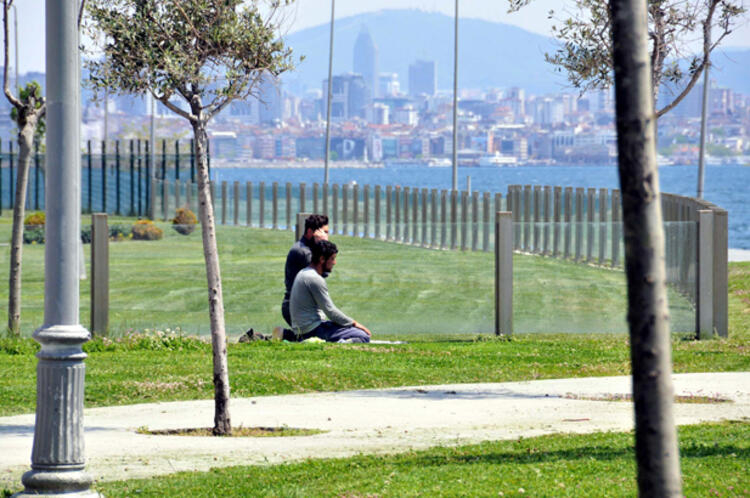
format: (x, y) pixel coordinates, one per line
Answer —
(28, 108)
(195, 57)
(586, 50)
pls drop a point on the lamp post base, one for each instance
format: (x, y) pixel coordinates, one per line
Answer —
(68, 483)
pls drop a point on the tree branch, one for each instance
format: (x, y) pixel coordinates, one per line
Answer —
(8, 94)
(164, 99)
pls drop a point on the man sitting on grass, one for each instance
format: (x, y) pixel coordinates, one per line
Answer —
(310, 303)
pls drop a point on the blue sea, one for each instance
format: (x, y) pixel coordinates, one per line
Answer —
(727, 186)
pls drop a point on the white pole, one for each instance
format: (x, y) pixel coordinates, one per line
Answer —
(704, 116)
(455, 101)
(57, 458)
(329, 96)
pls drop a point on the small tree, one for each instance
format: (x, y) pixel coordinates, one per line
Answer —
(586, 51)
(28, 113)
(195, 57)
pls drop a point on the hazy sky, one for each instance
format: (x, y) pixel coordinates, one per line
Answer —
(306, 13)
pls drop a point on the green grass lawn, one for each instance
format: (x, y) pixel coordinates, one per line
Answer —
(398, 290)
(391, 288)
(714, 460)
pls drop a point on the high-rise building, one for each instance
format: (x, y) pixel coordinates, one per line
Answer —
(349, 96)
(423, 78)
(366, 61)
(388, 85)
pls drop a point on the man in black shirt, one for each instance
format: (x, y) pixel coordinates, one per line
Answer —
(299, 257)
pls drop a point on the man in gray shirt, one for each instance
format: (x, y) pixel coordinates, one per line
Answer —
(316, 228)
(313, 312)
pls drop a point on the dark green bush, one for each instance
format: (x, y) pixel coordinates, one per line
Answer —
(33, 234)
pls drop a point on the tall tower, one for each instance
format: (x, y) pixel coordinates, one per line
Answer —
(366, 61)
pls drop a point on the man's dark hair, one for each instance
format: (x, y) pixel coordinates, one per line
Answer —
(315, 221)
(323, 248)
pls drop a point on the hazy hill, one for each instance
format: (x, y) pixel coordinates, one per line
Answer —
(490, 54)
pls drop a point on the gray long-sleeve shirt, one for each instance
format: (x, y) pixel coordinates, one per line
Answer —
(310, 303)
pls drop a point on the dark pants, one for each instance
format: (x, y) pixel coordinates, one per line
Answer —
(289, 335)
(331, 332)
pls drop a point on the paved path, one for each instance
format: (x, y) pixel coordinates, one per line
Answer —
(388, 420)
(739, 255)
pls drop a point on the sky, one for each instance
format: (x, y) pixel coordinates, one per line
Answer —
(306, 13)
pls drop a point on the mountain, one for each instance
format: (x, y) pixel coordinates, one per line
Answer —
(490, 54)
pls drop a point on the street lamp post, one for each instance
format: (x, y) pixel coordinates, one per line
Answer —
(329, 96)
(57, 458)
(455, 101)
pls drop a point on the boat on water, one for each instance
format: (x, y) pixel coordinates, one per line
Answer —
(498, 160)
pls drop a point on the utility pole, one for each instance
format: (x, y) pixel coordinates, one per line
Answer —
(57, 458)
(704, 116)
(455, 101)
(329, 97)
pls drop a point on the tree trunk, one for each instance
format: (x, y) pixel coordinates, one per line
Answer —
(25, 141)
(648, 315)
(222, 423)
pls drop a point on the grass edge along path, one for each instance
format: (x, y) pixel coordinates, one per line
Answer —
(152, 368)
(714, 461)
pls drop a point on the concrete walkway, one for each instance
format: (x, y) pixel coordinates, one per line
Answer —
(371, 421)
(739, 255)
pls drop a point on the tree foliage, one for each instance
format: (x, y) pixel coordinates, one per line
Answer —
(203, 52)
(585, 36)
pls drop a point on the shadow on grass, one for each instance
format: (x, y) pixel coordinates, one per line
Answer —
(533, 455)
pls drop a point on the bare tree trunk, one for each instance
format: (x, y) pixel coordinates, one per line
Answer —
(222, 423)
(25, 141)
(648, 315)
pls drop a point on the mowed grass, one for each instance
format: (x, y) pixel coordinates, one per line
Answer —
(714, 462)
(124, 373)
(391, 288)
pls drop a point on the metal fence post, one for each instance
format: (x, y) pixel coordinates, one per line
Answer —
(377, 211)
(366, 224)
(547, 220)
(345, 209)
(355, 210)
(602, 225)
(720, 272)
(397, 226)
(579, 224)
(223, 202)
(590, 204)
(433, 217)
(503, 273)
(414, 215)
(464, 220)
(527, 219)
(443, 218)
(568, 221)
(405, 232)
(454, 219)
(249, 204)
(537, 202)
(557, 193)
(99, 274)
(334, 216)
(299, 228)
(423, 238)
(486, 221)
(302, 187)
(275, 205)
(261, 204)
(616, 228)
(705, 302)
(117, 177)
(235, 199)
(325, 199)
(288, 192)
(104, 176)
(315, 195)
